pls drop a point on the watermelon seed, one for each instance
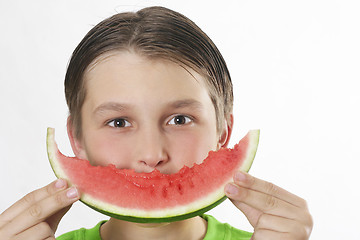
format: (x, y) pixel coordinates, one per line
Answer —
(180, 188)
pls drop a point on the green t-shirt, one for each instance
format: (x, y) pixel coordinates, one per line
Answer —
(215, 231)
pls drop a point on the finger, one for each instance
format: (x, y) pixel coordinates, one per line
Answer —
(266, 234)
(41, 210)
(263, 202)
(246, 180)
(30, 199)
(280, 224)
(39, 231)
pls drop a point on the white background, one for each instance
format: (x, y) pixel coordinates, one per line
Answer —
(295, 68)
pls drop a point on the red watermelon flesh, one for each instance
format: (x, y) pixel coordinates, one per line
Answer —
(155, 197)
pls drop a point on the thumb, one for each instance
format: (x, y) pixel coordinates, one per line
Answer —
(55, 219)
(250, 213)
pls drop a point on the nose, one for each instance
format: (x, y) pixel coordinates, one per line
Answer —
(151, 151)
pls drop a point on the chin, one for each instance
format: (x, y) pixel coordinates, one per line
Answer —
(152, 225)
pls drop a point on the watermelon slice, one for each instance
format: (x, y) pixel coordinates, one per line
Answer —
(154, 197)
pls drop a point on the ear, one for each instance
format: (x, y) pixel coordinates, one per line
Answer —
(226, 132)
(76, 144)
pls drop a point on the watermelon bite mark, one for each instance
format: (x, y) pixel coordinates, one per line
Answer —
(154, 197)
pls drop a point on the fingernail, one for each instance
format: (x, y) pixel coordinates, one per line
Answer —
(231, 189)
(72, 193)
(240, 177)
(60, 183)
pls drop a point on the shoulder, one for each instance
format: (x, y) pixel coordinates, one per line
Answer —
(83, 233)
(224, 231)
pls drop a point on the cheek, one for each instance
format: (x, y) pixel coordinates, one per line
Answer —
(192, 148)
(104, 150)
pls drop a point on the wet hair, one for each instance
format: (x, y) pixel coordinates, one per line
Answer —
(155, 33)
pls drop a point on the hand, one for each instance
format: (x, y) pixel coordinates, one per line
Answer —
(272, 211)
(37, 215)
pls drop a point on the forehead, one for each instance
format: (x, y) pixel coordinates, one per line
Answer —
(193, 69)
(121, 72)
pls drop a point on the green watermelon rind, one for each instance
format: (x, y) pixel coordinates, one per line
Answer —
(255, 137)
(156, 216)
(51, 147)
(154, 219)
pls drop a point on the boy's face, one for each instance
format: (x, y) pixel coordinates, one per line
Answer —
(144, 114)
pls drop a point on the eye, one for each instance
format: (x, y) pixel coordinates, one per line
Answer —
(119, 123)
(180, 120)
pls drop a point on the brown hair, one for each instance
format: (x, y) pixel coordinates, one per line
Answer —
(154, 32)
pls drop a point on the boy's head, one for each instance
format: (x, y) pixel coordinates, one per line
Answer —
(154, 33)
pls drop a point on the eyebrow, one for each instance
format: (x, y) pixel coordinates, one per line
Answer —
(111, 106)
(186, 103)
(118, 107)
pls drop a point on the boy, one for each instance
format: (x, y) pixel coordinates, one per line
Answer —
(150, 90)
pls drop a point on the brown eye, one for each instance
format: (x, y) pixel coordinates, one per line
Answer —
(180, 120)
(119, 123)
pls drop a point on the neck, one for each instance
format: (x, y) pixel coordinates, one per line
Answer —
(189, 229)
